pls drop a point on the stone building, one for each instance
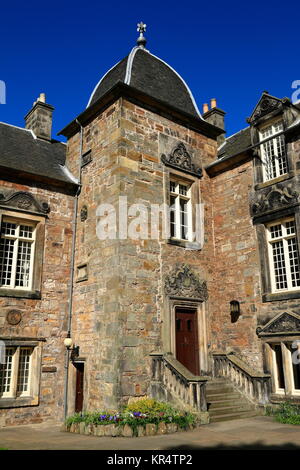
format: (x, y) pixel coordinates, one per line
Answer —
(163, 254)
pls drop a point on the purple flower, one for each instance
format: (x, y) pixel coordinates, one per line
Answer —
(137, 414)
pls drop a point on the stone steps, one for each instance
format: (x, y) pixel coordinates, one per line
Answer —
(227, 403)
(232, 416)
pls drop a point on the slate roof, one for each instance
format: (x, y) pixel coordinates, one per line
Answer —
(235, 144)
(145, 72)
(20, 150)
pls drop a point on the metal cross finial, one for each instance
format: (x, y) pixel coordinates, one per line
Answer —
(141, 28)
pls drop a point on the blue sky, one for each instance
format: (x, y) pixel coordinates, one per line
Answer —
(229, 50)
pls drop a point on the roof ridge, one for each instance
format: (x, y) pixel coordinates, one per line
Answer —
(127, 78)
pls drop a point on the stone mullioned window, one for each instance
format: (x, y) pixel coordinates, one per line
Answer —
(273, 151)
(21, 254)
(180, 213)
(283, 255)
(20, 373)
(17, 245)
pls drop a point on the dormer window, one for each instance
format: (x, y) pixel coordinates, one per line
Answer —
(273, 151)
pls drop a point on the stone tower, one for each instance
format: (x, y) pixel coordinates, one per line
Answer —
(141, 143)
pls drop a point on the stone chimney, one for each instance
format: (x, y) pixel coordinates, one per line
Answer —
(39, 118)
(215, 116)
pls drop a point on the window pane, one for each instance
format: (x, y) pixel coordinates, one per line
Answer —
(273, 151)
(295, 366)
(294, 261)
(290, 227)
(6, 371)
(26, 231)
(282, 160)
(23, 264)
(172, 186)
(279, 365)
(8, 228)
(276, 231)
(16, 255)
(172, 217)
(6, 261)
(269, 159)
(24, 368)
(278, 126)
(279, 265)
(266, 132)
(183, 219)
(182, 189)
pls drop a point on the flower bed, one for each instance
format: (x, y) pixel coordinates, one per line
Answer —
(144, 417)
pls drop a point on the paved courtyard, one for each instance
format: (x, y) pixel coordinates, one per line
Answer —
(253, 433)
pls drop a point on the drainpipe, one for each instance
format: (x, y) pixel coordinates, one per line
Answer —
(71, 286)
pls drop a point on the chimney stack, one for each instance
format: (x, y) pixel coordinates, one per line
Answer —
(39, 118)
(205, 108)
(215, 116)
(213, 103)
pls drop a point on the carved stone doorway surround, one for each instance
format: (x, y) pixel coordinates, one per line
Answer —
(183, 289)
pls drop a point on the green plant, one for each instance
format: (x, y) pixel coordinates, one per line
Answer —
(137, 413)
(287, 413)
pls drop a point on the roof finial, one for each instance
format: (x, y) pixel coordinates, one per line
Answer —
(141, 41)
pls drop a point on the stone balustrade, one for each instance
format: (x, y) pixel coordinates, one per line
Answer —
(254, 385)
(178, 382)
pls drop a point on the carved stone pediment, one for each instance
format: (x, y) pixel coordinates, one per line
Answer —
(23, 201)
(184, 283)
(275, 198)
(180, 159)
(287, 323)
(266, 105)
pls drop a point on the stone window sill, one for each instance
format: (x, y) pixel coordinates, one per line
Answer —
(279, 179)
(25, 294)
(18, 402)
(184, 244)
(273, 297)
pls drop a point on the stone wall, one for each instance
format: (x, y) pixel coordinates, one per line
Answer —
(120, 309)
(46, 317)
(237, 267)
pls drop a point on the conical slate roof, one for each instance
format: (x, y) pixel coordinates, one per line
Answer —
(149, 74)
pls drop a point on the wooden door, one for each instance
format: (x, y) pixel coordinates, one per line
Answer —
(187, 349)
(79, 386)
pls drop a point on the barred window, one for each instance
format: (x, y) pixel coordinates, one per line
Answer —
(273, 151)
(180, 210)
(17, 243)
(283, 255)
(15, 372)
